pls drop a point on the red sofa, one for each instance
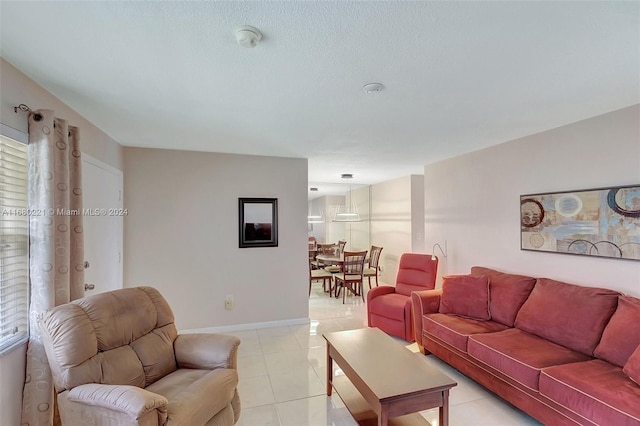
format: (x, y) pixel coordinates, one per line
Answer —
(563, 353)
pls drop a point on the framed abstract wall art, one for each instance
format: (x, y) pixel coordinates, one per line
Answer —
(601, 222)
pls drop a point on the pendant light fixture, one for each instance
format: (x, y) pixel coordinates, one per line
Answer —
(348, 212)
(312, 217)
(315, 218)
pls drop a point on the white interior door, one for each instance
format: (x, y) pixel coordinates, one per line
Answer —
(103, 217)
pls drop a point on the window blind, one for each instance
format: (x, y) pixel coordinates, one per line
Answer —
(14, 244)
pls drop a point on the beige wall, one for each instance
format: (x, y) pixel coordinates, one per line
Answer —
(12, 366)
(397, 221)
(16, 88)
(473, 200)
(181, 235)
(417, 214)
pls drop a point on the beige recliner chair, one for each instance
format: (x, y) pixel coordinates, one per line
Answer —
(117, 359)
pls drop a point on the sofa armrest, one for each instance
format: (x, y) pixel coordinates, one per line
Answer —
(130, 400)
(379, 291)
(423, 302)
(207, 351)
(426, 301)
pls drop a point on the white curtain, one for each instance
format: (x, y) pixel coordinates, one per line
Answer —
(56, 247)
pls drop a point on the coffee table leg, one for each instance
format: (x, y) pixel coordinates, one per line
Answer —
(444, 410)
(329, 371)
(383, 418)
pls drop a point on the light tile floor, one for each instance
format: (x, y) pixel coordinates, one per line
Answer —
(282, 375)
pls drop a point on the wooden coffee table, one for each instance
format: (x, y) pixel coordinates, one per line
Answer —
(384, 380)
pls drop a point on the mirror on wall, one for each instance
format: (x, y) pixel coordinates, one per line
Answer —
(258, 222)
(339, 211)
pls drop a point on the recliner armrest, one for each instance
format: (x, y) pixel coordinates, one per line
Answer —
(379, 291)
(126, 399)
(206, 351)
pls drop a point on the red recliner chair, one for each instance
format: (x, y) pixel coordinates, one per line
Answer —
(389, 308)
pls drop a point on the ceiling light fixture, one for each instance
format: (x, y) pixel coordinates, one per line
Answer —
(373, 88)
(348, 212)
(346, 176)
(248, 36)
(315, 218)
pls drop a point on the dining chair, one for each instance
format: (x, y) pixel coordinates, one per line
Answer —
(341, 245)
(352, 274)
(322, 248)
(313, 263)
(320, 274)
(333, 250)
(374, 259)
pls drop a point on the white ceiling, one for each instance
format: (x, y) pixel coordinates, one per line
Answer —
(459, 76)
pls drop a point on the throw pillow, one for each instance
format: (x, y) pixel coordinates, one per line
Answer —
(619, 340)
(507, 293)
(570, 315)
(466, 296)
(632, 367)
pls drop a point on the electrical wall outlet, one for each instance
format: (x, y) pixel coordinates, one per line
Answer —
(228, 302)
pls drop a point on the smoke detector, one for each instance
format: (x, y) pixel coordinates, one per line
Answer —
(248, 36)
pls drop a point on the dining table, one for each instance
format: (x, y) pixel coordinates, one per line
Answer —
(334, 259)
(331, 259)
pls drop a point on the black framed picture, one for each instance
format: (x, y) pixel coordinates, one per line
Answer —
(258, 225)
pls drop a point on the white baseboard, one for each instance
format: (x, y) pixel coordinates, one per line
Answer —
(250, 326)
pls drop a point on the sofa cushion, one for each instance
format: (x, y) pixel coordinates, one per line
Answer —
(596, 390)
(456, 330)
(119, 366)
(390, 305)
(163, 310)
(618, 339)
(632, 367)
(507, 293)
(567, 314)
(184, 389)
(155, 351)
(520, 355)
(465, 295)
